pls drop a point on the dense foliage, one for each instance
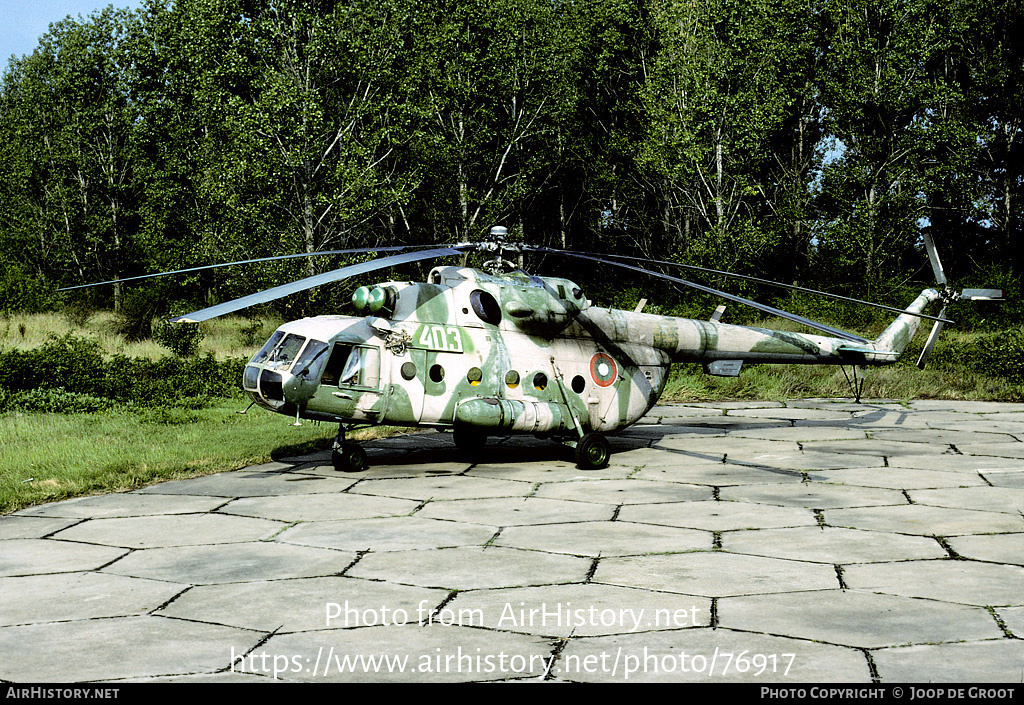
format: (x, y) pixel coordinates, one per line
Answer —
(808, 142)
(71, 374)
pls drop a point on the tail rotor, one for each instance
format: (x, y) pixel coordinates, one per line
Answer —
(948, 297)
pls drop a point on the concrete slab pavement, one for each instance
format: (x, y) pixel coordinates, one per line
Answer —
(813, 541)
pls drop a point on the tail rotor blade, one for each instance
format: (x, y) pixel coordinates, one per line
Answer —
(932, 337)
(933, 258)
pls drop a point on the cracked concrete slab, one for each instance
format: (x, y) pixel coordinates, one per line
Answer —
(715, 574)
(604, 538)
(946, 579)
(516, 511)
(1003, 478)
(709, 655)
(1013, 619)
(387, 534)
(231, 563)
(619, 492)
(835, 546)
(84, 595)
(170, 530)
(901, 479)
(302, 604)
(997, 548)
(40, 556)
(126, 504)
(925, 521)
(854, 618)
(718, 515)
(110, 649)
(998, 661)
(992, 499)
(561, 611)
(471, 567)
(814, 496)
(804, 541)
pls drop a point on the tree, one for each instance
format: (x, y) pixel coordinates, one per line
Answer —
(484, 85)
(877, 103)
(724, 148)
(70, 114)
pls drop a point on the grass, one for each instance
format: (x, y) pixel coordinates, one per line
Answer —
(47, 457)
(962, 365)
(903, 382)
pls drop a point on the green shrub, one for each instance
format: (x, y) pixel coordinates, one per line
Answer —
(24, 294)
(1002, 355)
(75, 365)
(65, 362)
(56, 401)
(139, 306)
(183, 339)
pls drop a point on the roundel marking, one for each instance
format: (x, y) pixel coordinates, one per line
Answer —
(603, 370)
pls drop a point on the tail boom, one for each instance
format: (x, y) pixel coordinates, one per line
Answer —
(688, 340)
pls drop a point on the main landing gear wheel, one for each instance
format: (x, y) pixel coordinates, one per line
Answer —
(468, 439)
(592, 452)
(349, 458)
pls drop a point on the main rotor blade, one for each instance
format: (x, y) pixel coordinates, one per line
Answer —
(729, 297)
(758, 280)
(309, 282)
(392, 248)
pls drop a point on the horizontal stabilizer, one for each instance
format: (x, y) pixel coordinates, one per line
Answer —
(866, 351)
(724, 368)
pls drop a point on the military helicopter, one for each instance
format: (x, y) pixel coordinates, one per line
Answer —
(499, 351)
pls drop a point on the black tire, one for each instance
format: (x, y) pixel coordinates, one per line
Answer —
(592, 452)
(349, 458)
(469, 439)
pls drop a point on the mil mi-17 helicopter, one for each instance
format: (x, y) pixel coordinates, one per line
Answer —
(498, 351)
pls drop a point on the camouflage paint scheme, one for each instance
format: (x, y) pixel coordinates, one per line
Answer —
(513, 353)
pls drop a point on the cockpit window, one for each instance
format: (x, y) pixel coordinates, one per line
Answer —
(311, 357)
(280, 355)
(265, 351)
(353, 365)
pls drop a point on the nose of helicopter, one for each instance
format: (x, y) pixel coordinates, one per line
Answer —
(285, 372)
(275, 389)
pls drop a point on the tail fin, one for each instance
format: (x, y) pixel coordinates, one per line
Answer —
(900, 332)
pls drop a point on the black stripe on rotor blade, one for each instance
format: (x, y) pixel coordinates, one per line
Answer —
(758, 280)
(728, 297)
(392, 248)
(309, 282)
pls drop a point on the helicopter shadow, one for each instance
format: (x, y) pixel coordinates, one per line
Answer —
(436, 451)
